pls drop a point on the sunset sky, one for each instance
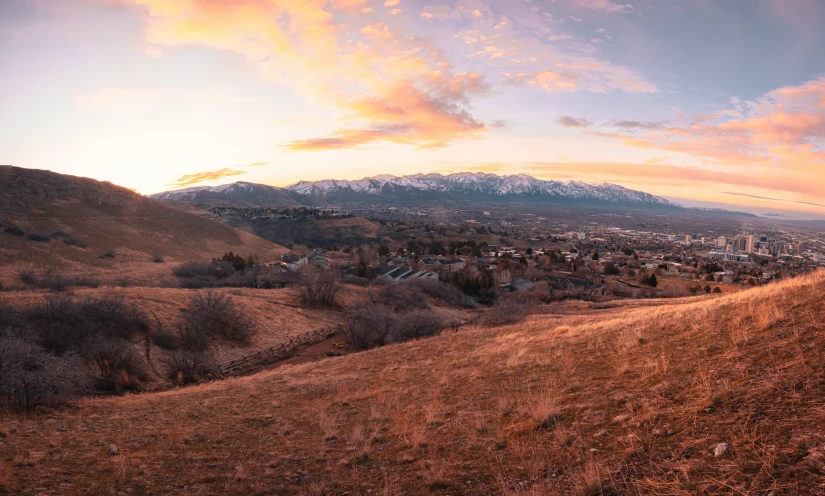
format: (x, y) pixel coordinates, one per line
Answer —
(708, 100)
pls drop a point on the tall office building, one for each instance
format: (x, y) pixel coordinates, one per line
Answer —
(750, 243)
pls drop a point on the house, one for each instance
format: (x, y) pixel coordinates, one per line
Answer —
(519, 285)
(317, 258)
(279, 280)
(429, 263)
(403, 274)
(453, 265)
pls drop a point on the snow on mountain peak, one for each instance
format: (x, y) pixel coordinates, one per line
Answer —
(480, 183)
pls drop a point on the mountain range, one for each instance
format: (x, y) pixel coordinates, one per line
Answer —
(240, 194)
(421, 188)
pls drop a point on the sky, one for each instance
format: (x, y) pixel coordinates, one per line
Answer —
(715, 101)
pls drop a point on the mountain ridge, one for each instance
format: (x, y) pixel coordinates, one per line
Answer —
(419, 187)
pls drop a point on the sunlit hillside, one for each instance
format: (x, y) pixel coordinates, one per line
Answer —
(715, 395)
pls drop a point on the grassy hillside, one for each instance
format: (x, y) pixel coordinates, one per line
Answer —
(276, 313)
(59, 223)
(618, 399)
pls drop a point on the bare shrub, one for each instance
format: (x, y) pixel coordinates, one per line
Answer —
(9, 316)
(72, 241)
(62, 323)
(117, 365)
(445, 293)
(187, 367)
(163, 338)
(27, 276)
(369, 325)
(39, 237)
(318, 287)
(158, 257)
(418, 324)
(190, 336)
(16, 231)
(401, 297)
(357, 281)
(109, 254)
(509, 310)
(198, 282)
(58, 282)
(31, 377)
(217, 270)
(214, 314)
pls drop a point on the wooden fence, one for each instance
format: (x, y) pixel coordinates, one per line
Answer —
(273, 353)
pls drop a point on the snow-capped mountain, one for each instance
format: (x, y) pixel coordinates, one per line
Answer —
(238, 194)
(476, 185)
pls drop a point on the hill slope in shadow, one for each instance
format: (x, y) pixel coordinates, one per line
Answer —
(66, 224)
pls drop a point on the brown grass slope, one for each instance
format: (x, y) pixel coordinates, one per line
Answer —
(624, 400)
(104, 217)
(277, 315)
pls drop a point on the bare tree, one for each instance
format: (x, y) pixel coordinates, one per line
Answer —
(31, 377)
(186, 366)
(212, 313)
(318, 287)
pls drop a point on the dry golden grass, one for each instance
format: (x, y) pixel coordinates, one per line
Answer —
(276, 313)
(622, 400)
(105, 217)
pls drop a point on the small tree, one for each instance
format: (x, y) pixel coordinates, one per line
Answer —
(31, 377)
(318, 287)
(212, 313)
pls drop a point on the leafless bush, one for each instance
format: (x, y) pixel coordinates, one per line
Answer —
(9, 316)
(508, 310)
(214, 313)
(369, 325)
(158, 257)
(445, 293)
(39, 237)
(72, 241)
(27, 276)
(14, 230)
(318, 287)
(418, 324)
(217, 270)
(58, 282)
(189, 336)
(187, 367)
(62, 323)
(109, 254)
(357, 281)
(401, 297)
(31, 377)
(117, 365)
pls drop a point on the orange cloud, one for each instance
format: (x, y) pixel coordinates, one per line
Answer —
(391, 87)
(784, 129)
(658, 172)
(200, 177)
(411, 116)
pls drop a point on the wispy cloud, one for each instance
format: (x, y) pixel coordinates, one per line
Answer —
(658, 171)
(785, 128)
(775, 199)
(391, 86)
(203, 176)
(603, 5)
(575, 122)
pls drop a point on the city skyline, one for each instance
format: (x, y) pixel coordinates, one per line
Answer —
(698, 100)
